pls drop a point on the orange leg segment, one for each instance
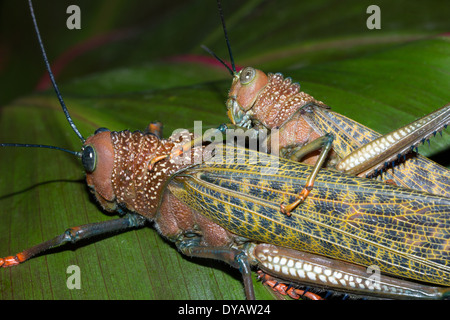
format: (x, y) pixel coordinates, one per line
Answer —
(325, 142)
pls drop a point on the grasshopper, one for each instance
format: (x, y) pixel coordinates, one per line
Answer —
(304, 124)
(136, 175)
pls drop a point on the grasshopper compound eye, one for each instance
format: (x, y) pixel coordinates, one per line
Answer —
(89, 154)
(247, 75)
(89, 159)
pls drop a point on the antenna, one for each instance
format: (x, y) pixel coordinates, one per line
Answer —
(58, 94)
(52, 78)
(219, 6)
(27, 145)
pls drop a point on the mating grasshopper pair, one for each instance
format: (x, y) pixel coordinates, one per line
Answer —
(202, 232)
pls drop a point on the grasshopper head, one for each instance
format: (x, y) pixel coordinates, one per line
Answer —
(130, 170)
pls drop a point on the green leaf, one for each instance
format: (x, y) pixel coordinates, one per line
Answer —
(381, 78)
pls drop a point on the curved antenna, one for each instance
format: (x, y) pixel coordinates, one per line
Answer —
(28, 145)
(219, 6)
(52, 78)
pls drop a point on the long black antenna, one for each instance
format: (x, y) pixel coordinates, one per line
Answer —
(52, 78)
(219, 6)
(27, 145)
